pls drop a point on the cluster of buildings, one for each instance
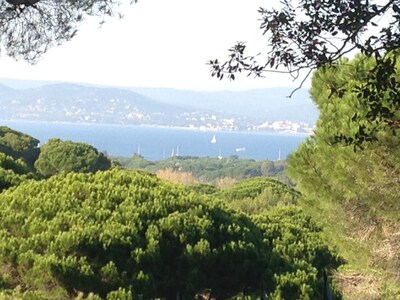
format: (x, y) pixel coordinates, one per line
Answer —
(285, 126)
(214, 123)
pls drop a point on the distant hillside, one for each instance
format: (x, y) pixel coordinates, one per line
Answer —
(226, 110)
(78, 103)
(270, 104)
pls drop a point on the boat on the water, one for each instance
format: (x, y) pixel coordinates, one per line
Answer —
(213, 140)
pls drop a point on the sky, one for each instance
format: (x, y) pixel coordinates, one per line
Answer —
(158, 43)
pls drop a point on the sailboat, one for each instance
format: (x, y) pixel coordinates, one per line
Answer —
(219, 154)
(175, 153)
(213, 140)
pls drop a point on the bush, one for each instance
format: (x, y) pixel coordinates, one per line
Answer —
(66, 156)
(121, 232)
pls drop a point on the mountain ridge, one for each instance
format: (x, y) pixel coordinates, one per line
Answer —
(79, 102)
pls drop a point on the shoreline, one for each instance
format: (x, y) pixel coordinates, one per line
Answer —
(186, 128)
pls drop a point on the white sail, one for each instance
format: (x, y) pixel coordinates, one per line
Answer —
(213, 140)
(219, 154)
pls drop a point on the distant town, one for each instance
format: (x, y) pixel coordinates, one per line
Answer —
(214, 123)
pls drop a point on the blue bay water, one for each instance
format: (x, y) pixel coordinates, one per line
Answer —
(156, 143)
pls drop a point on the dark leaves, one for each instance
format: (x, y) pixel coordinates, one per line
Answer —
(28, 28)
(312, 34)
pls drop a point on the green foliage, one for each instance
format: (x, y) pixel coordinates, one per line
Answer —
(18, 152)
(17, 166)
(327, 168)
(17, 294)
(208, 169)
(120, 294)
(135, 162)
(353, 187)
(18, 145)
(258, 194)
(302, 254)
(67, 156)
(125, 234)
(13, 172)
(202, 188)
(253, 187)
(117, 229)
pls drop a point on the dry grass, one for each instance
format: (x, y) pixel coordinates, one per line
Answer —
(365, 233)
(358, 286)
(370, 245)
(379, 279)
(169, 174)
(389, 249)
(225, 182)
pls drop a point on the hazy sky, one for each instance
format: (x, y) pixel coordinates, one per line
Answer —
(158, 43)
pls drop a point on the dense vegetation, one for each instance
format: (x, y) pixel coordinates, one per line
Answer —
(67, 156)
(209, 169)
(13, 172)
(18, 152)
(367, 175)
(18, 145)
(258, 194)
(353, 188)
(128, 234)
(71, 230)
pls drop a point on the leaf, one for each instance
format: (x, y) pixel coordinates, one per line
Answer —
(271, 62)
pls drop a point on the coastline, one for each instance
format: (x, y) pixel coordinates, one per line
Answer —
(186, 128)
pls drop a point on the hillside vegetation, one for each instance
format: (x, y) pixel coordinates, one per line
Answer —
(123, 234)
(209, 169)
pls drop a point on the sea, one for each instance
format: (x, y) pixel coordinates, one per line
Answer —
(157, 143)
